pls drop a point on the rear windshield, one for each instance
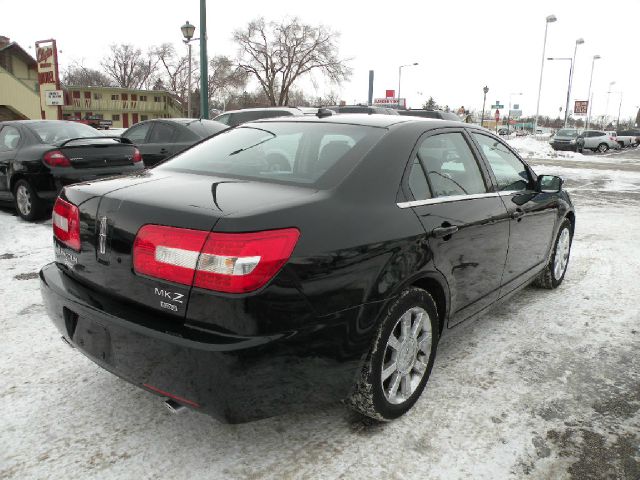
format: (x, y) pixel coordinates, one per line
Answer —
(56, 132)
(292, 152)
(567, 133)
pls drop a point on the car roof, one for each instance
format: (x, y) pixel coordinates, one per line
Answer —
(263, 109)
(372, 120)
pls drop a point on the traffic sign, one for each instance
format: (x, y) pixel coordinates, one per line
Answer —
(497, 105)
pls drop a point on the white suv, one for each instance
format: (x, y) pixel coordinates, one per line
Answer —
(597, 140)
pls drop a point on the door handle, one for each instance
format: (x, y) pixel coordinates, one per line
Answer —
(517, 214)
(440, 232)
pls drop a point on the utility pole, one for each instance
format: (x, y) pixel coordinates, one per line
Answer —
(484, 101)
(204, 73)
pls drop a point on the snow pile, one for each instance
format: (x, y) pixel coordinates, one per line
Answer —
(532, 147)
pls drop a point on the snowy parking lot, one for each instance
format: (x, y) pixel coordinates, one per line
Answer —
(546, 386)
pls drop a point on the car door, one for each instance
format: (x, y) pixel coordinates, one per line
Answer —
(138, 136)
(532, 214)
(465, 221)
(160, 143)
(10, 142)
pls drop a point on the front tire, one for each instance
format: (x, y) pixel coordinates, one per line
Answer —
(603, 147)
(401, 358)
(26, 201)
(553, 274)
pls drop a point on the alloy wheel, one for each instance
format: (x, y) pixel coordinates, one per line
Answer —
(562, 254)
(406, 355)
(23, 200)
(602, 148)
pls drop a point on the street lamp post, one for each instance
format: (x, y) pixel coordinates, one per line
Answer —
(606, 110)
(593, 62)
(485, 90)
(509, 113)
(187, 33)
(400, 77)
(566, 110)
(579, 41)
(549, 19)
(204, 63)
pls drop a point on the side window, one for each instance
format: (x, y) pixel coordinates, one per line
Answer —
(9, 138)
(161, 133)
(450, 165)
(510, 172)
(184, 135)
(418, 182)
(138, 133)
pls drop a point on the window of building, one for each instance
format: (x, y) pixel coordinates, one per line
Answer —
(115, 117)
(97, 96)
(157, 99)
(143, 98)
(144, 117)
(76, 94)
(450, 166)
(115, 97)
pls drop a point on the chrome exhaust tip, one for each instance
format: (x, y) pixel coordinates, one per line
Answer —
(174, 407)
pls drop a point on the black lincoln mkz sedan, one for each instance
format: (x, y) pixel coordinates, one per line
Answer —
(290, 262)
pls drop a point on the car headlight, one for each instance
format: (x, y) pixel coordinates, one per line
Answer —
(573, 142)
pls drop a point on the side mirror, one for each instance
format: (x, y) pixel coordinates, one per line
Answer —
(549, 184)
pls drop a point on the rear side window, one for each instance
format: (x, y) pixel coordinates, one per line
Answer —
(9, 138)
(418, 182)
(293, 152)
(450, 165)
(510, 172)
(161, 133)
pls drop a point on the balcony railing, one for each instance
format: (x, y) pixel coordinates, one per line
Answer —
(91, 105)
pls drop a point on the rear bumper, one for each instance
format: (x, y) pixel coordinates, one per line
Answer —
(230, 377)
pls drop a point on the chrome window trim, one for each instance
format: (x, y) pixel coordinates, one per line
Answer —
(456, 198)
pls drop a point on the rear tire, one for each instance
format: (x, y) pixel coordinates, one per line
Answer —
(553, 274)
(401, 358)
(26, 201)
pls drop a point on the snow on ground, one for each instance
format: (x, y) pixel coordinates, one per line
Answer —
(545, 386)
(532, 147)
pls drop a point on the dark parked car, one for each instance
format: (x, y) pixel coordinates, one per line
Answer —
(237, 117)
(160, 138)
(39, 157)
(432, 114)
(243, 291)
(369, 109)
(567, 139)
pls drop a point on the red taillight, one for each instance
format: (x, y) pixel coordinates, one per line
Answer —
(224, 262)
(66, 224)
(137, 157)
(55, 158)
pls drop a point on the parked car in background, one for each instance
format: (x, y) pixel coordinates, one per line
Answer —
(598, 140)
(115, 132)
(566, 139)
(369, 109)
(237, 117)
(503, 131)
(442, 115)
(160, 138)
(629, 137)
(39, 157)
(225, 286)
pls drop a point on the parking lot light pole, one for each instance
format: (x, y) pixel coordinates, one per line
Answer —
(400, 77)
(593, 62)
(579, 41)
(549, 19)
(509, 113)
(606, 110)
(485, 90)
(204, 71)
(566, 110)
(187, 33)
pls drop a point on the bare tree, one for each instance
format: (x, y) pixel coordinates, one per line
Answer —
(81, 76)
(129, 67)
(172, 72)
(279, 54)
(225, 77)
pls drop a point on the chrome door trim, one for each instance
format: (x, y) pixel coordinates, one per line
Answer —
(448, 199)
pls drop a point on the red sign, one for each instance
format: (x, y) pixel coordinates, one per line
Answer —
(390, 94)
(581, 107)
(497, 115)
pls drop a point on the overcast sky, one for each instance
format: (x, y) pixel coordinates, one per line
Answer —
(460, 45)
